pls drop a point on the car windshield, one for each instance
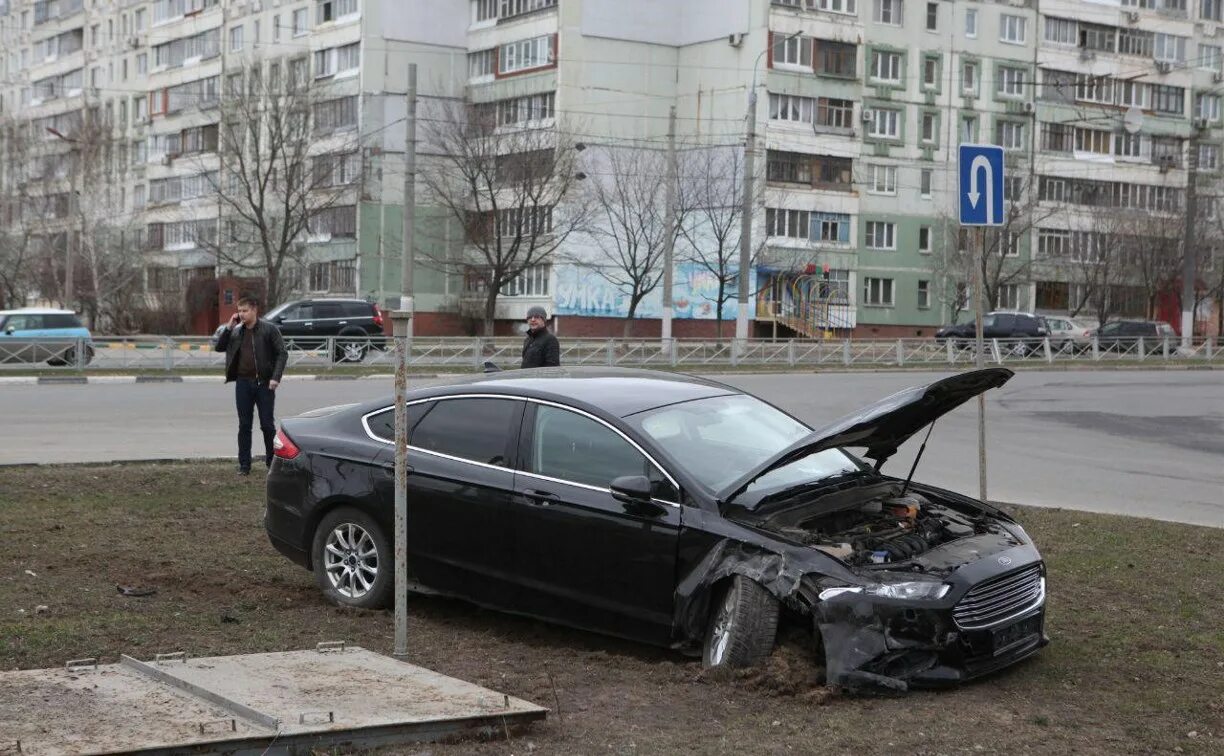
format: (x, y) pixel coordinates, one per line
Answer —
(720, 439)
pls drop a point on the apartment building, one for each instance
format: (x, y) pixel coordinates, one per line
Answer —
(155, 76)
(859, 108)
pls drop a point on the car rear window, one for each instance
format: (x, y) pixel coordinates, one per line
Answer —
(61, 321)
(473, 429)
(358, 310)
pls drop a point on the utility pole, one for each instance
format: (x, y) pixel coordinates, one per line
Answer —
(741, 317)
(669, 224)
(1189, 263)
(401, 324)
(979, 305)
(75, 158)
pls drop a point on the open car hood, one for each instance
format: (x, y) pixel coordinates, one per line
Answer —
(881, 427)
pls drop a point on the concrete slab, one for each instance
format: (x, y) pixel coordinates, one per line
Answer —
(336, 696)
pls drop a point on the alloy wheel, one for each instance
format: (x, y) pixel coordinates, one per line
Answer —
(350, 559)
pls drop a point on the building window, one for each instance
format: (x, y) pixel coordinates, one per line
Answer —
(969, 129)
(930, 128)
(883, 179)
(337, 169)
(525, 54)
(793, 51)
(1170, 48)
(1053, 243)
(1008, 297)
(886, 66)
(485, 10)
(335, 115)
(520, 111)
(337, 60)
(815, 171)
(1208, 157)
(790, 108)
(834, 114)
(793, 224)
(833, 228)
(878, 292)
(884, 124)
(481, 63)
(1211, 10)
(1210, 57)
(1013, 29)
(887, 12)
(924, 239)
(1061, 31)
(1093, 140)
(1207, 106)
(930, 72)
(330, 10)
(335, 222)
(924, 182)
(835, 58)
(1167, 99)
(880, 235)
(1010, 135)
(969, 78)
(532, 282)
(932, 17)
(971, 23)
(1011, 82)
(847, 7)
(235, 38)
(924, 295)
(301, 22)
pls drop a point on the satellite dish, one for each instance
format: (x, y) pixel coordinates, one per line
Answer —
(1133, 120)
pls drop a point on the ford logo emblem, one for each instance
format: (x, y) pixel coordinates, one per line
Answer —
(1004, 561)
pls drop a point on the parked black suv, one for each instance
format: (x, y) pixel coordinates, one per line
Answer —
(1120, 335)
(1000, 325)
(306, 324)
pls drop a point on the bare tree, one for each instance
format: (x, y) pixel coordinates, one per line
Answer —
(1153, 254)
(996, 250)
(1098, 261)
(511, 188)
(710, 193)
(629, 225)
(274, 188)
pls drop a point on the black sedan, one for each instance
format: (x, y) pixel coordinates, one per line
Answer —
(671, 510)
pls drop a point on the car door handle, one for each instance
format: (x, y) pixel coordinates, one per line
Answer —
(343, 322)
(308, 323)
(543, 498)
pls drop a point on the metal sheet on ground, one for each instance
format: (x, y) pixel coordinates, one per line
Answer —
(346, 696)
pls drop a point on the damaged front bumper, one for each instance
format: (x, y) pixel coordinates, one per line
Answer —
(873, 642)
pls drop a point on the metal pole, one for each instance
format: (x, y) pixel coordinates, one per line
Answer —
(741, 317)
(669, 224)
(979, 298)
(1189, 266)
(75, 157)
(401, 325)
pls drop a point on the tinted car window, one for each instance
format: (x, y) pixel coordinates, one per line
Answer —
(383, 424)
(61, 321)
(358, 310)
(572, 447)
(23, 322)
(1111, 329)
(1005, 322)
(325, 310)
(474, 429)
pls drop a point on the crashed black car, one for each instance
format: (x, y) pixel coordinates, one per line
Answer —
(673, 510)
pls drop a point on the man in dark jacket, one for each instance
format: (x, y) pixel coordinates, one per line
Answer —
(255, 361)
(540, 349)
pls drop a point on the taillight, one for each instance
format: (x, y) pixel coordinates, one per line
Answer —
(378, 321)
(283, 446)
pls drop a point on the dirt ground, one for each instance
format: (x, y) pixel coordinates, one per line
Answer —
(1136, 664)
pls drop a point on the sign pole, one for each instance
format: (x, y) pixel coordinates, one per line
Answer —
(979, 296)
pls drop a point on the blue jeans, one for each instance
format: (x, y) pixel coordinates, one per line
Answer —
(248, 395)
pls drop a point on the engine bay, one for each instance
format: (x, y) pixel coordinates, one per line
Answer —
(883, 527)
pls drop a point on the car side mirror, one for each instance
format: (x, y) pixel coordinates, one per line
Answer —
(10, 330)
(633, 489)
(278, 319)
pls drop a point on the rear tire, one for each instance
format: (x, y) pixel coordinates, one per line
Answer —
(743, 625)
(351, 348)
(353, 561)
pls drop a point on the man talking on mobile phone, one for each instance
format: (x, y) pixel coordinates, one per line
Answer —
(254, 361)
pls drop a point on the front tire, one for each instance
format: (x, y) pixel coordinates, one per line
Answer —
(351, 349)
(743, 625)
(352, 558)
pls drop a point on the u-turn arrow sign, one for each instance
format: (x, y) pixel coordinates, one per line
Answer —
(981, 185)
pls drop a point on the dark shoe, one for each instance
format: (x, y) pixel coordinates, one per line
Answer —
(243, 472)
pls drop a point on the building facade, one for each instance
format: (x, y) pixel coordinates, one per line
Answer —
(1107, 110)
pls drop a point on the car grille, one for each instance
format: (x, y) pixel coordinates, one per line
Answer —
(1000, 598)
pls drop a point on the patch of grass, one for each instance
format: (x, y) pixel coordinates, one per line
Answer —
(1136, 661)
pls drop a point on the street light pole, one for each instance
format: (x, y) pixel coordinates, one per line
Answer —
(1189, 262)
(669, 224)
(75, 157)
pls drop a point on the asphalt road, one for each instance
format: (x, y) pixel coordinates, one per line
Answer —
(1146, 443)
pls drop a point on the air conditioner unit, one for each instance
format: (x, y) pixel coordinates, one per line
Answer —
(134, 42)
(1029, 107)
(1166, 162)
(1217, 77)
(1132, 17)
(868, 115)
(167, 159)
(1087, 55)
(735, 40)
(1199, 123)
(1163, 66)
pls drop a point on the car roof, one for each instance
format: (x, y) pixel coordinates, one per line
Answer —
(616, 391)
(37, 311)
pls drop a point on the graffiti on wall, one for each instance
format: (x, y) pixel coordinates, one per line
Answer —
(580, 290)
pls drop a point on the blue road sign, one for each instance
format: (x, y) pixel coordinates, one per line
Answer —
(981, 185)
